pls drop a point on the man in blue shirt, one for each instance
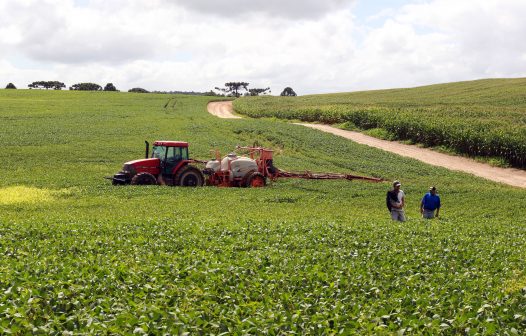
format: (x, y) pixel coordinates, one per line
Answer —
(430, 203)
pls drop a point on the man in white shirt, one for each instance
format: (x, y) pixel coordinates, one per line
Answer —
(396, 202)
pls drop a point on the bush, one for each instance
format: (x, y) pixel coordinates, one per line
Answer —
(110, 87)
(138, 90)
(55, 85)
(86, 87)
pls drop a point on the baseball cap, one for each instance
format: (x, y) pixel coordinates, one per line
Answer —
(396, 183)
(432, 188)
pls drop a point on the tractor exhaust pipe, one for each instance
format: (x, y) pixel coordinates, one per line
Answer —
(147, 149)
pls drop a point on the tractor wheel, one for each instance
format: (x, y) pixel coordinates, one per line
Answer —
(144, 179)
(189, 176)
(256, 180)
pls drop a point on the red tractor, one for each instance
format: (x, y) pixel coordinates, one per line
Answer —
(169, 164)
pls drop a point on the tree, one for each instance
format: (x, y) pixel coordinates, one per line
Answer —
(233, 88)
(55, 85)
(139, 90)
(288, 92)
(10, 86)
(257, 92)
(110, 87)
(86, 87)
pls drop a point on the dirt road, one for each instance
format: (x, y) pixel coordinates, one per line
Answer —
(510, 176)
(222, 110)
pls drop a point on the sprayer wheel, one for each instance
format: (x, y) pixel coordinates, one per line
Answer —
(256, 180)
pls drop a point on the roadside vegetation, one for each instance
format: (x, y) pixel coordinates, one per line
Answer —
(300, 256)
(483, 118)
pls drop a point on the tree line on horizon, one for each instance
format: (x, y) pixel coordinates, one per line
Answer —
(235, 89)
(56, 85)
(231, 89)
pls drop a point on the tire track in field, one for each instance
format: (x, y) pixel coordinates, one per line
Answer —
(510, 176)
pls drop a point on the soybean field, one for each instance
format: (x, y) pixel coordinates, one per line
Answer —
(80, 256)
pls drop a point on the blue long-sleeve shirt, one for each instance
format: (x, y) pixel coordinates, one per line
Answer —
(431, 202)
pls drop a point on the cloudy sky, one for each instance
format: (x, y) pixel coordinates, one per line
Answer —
(313, 46)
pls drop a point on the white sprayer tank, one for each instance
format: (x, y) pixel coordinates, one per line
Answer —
(214, 164)
(238, 166)
(242, 166)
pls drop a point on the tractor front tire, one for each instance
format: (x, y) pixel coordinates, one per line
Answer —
(256, 180)
(189, 176)
(144, 179)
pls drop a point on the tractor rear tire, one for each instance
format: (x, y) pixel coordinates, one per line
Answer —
(144, 179)
(189, 176)
(256, 180)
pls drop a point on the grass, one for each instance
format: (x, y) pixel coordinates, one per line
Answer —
(81, 256)
(479, 118)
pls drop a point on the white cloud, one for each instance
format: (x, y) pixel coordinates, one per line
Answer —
(275, 8)
(441, 41)
(313, 46)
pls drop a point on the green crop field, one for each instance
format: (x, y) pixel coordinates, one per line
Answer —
(80, 256)
(484, 118)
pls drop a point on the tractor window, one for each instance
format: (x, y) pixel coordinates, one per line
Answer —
(175, 154)
(159, 152)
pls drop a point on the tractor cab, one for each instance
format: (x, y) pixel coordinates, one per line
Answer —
(170, 154)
